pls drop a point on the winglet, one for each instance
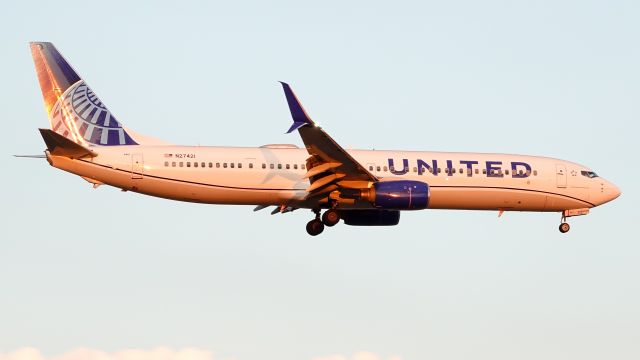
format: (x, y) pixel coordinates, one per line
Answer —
(299, 115)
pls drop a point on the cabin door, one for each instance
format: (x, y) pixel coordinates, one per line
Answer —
(137, 166)
(561, 176)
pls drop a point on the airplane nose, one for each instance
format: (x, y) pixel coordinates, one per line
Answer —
(613, 191)
(607, 191)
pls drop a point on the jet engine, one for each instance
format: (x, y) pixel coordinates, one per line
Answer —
(398, 195)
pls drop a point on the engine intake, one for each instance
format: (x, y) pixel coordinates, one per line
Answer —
(400, 195)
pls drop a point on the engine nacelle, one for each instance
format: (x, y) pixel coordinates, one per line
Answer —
(400, 195)
(370, 217)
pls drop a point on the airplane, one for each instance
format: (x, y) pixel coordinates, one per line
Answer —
(359, 187)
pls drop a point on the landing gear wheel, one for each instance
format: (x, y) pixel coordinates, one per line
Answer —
(564, 227)
(315, 227)
(330, 217)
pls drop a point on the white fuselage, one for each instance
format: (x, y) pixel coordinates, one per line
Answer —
(274, 176)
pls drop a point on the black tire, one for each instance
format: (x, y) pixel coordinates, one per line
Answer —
(330, 217)
(564, 227)
(315, 227)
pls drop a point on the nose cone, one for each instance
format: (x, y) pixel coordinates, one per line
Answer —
(612, 191)
(607, 192)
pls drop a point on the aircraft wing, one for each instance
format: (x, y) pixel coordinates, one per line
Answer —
(329, 166)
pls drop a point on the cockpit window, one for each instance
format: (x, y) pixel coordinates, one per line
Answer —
(589, 174)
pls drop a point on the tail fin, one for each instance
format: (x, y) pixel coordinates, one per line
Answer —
(74, 110)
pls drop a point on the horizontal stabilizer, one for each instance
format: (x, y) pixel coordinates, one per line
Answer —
(61, 146)
(40, 156)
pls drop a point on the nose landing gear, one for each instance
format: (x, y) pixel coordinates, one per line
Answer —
(564, 226)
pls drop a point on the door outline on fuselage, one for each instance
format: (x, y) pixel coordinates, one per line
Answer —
(137, 166)
(561, 176)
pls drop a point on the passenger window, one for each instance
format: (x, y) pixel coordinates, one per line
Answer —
(173, 164)
(520, 172)
(439, 170)
(264, 166)
(484, 171)
(477, 171)
(271, 166)
(224, 165)
(370, 168)
(384, 168)
(279, 166)
(377, 168)
(302, 166)
(232, 165)
(239, 165)
(181, 163)
(166, 163)
(287, 166)
(188, 163)
(415, 169)
(535, 172)
(217, 165)
(210, 165)
(295, 166)
(250, 165)
(195, 164)
(506, 172)
(202, 164)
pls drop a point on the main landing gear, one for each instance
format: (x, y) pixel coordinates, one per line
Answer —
(330, 217)
(316, 226)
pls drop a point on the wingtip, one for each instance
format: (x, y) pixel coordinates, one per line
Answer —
(299, 115)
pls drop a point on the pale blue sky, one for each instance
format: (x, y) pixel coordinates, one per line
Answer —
(111, 270)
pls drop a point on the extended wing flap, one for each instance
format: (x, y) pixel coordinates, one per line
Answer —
(316, 170)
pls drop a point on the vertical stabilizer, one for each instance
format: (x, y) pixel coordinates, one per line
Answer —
(74, 110)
